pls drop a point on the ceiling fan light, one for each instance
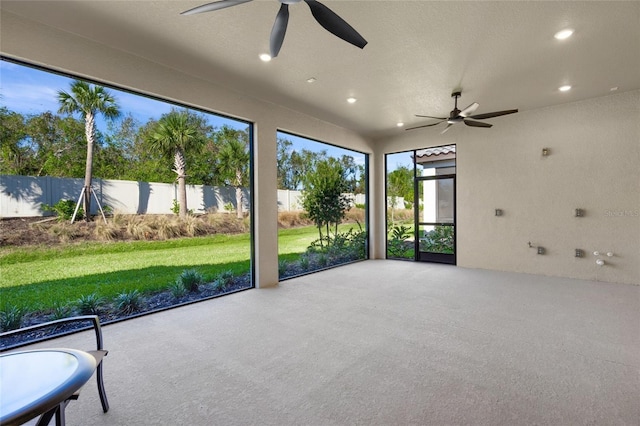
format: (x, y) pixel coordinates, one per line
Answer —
(564, 34)
(265, 57)
(400, 124)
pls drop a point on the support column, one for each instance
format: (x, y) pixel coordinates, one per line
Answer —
(265, 205)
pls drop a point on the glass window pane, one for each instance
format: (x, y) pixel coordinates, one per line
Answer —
(170, 199)
(321, 205)
(400, 205)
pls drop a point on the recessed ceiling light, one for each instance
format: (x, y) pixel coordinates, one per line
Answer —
(564, 88)
(351, 100)
(265, 57)
(564, 34)
(400, 124)
(311, 80)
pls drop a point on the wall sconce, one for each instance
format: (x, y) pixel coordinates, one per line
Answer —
(579, 212)
(498, 212)
(546, 152)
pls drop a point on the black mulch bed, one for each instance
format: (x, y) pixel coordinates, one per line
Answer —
(149, 304)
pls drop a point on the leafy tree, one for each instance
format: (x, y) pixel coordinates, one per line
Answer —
(88, 100)
(233, 161)
(323, 197)
(400, 184)
(13, 157)
(115, 157)
(173, 135)
(55, 145)
(283, 162)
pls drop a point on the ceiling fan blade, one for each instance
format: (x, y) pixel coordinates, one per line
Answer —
(279, 29)
(335, 24)
(469, 110)
(424, 125)
(446, 128)
(428, 116)
(476, 123)
(493, 114)
(216, 5)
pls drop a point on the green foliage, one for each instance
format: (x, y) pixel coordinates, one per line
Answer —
(399, 244)
(128, 302)
(440, 240)
(11, 317)
(175, 207)
(177, 289)
(60, 311)
(282, 267)
(90, 304)
(64, 209)
(191, 279)
(223, 280)
(324, 197)
(305, 262)
(400, 183)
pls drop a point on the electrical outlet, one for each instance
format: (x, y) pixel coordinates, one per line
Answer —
(579, 253)
(541, 250)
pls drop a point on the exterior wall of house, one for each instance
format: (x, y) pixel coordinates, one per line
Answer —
(594, 153)
(38, 44)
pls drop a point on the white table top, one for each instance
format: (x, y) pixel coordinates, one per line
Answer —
(34, 382)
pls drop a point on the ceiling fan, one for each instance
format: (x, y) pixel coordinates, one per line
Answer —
(457, 116)
(325, 17)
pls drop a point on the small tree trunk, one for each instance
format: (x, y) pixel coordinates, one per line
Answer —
(90, 132)
(239, 202)
(180, 165)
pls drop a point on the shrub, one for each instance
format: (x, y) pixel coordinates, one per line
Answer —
(398, 244)
(11, 317)
(106, 231)
(90, 304)
(60, 311)
(177, 289)
(193, 226)
(64, 209)
(282, 267)
(64, 231)
(175, 207)
(165, 228)
(138, 229)
(439, 240)
(191, 279)
(305, 262)
(223, 280)
(128, 302)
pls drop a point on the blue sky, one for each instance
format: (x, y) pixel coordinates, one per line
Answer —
(29, 91)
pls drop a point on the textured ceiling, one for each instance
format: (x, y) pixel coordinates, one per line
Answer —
(500, 54)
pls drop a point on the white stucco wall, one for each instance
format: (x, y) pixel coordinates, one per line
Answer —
(593, 165)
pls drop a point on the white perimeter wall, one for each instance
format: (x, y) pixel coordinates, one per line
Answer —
(23, 196)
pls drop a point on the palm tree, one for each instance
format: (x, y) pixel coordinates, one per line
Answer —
(233, 162)
(174, 135)
(88, 100)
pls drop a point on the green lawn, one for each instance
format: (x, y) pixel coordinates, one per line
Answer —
(40, 278)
